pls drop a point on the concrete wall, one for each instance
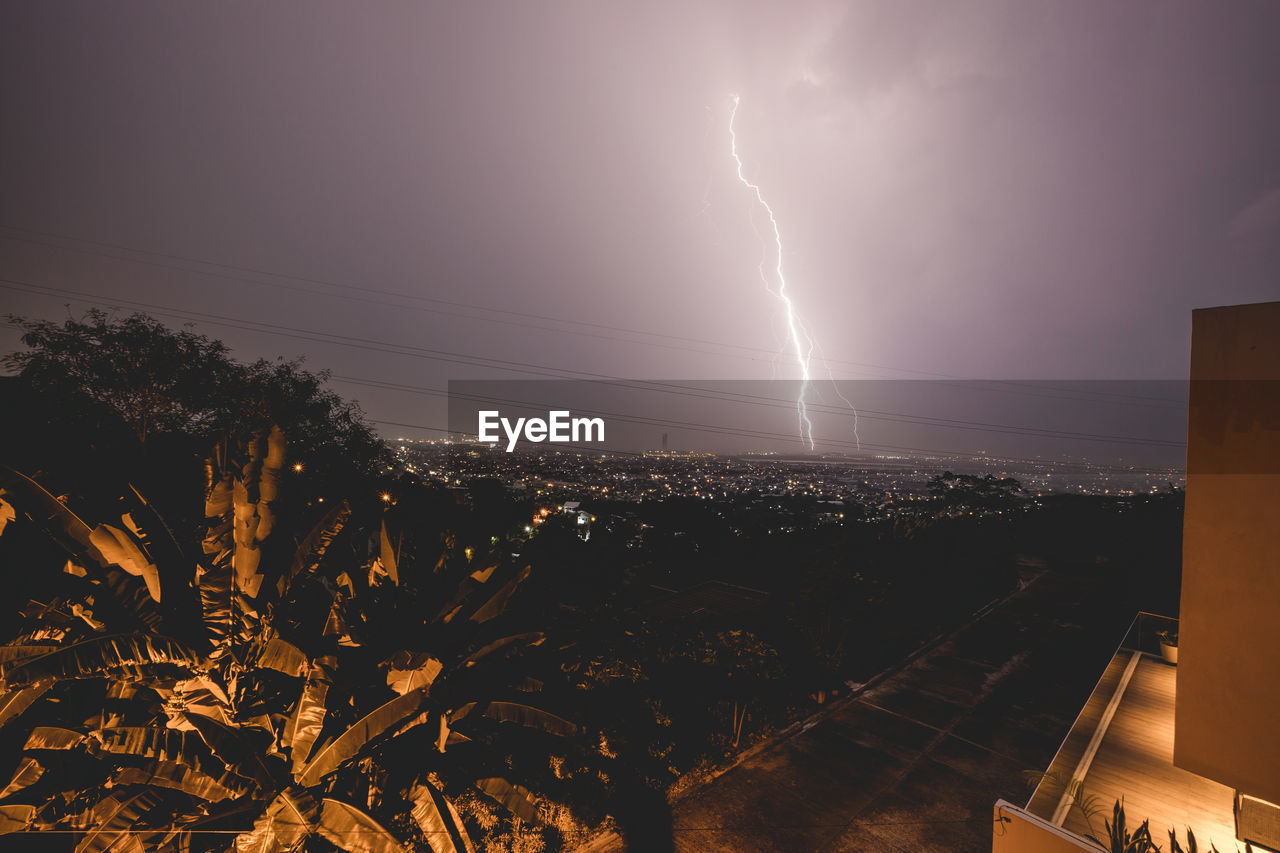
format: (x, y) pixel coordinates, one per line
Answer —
(1227, 719)
(1016, 831)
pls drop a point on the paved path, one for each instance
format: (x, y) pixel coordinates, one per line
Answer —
(915, 762)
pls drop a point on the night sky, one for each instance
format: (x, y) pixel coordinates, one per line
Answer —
(1010, 190)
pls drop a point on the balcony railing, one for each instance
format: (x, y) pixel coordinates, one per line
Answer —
(1146, 631)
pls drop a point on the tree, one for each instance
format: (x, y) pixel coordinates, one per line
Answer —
(154, 379)
(172, 386)
(969, 490)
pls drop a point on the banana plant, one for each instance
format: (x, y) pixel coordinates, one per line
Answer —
(345, 686)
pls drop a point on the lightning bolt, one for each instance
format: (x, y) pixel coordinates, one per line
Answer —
(800, 342)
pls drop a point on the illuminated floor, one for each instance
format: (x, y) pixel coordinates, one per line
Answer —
(1134, 760)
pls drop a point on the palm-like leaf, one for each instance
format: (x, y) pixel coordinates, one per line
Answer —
(119, 549)
(283, 656)
(353, 740)
(515, 798)
(229, 745)
(287, 821)
(515, 712)
(205, 735)
(116, 819)
(116, 655)
(309, 554)
(354, 830)
(27, 774)
(308, 717)
(438, 820)
(15, 818)
(13, 703)
(50, 514)
(54, 737)
(180, 777)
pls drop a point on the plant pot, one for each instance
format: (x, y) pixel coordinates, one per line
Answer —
(1169, 652)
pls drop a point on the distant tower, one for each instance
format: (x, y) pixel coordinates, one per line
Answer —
(664, 442)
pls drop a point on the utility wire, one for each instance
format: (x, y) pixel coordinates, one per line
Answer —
(510, 366)
(522, 320)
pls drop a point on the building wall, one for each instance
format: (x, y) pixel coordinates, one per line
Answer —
(1228, 701)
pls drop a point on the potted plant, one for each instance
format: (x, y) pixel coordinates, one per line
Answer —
(1168, 645)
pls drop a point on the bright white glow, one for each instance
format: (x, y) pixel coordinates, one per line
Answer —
(800, 342)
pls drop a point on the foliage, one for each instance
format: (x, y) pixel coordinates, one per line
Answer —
(1088, 805)
(969, 490)
(1119, 839)
(346, 687)
(167, 384)
(155, 379)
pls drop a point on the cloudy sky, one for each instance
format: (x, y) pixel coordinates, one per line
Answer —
(409, 193)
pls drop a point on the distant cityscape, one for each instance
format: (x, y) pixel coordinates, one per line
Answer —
(882, 484)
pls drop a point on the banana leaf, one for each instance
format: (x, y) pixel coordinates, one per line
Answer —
(354, 831)
(229, 745)
(217, 605)
(438, 820)
(253, 496)
(248, 552)
(119, 550)
(354, 739)
(217, 493)
(149, 527)
(8, 654)
(283, 656)
(531, 638)
(198, 695)
(495, 605)
(190, 833)
(117, 654)
(27, 774)
(133, 597)
(15, 818)
(308, 718)
(515, 798)
(311, 551)
(483, 575)
(515, 712)
(7, 514)
(15, 702)
(289, 820)
(164, 745)
(178, 777)
(409, 677)
(50, 514)
(116, 819)
(390, 558)
(54, 737)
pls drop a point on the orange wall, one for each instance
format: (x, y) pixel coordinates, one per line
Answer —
(1227, 718)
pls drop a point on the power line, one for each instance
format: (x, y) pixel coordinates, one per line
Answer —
(526, 368)
(502, 364)
(522, 320)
